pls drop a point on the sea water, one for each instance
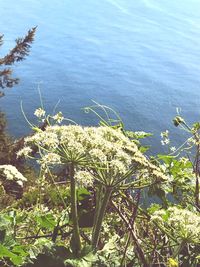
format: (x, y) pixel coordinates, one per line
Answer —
(139, 57)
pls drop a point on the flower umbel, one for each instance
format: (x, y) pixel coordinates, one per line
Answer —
(103, 149)
(11, 173)
(165, 138)
(183, 224)
(39, 112)
(58, 117)
(84, 178)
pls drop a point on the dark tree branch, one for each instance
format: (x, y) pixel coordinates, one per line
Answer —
(21, 50)
(18, 53)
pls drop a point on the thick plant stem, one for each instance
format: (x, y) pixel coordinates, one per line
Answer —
(98, 205)
(76, 248)
(178, 250)
(99, 220)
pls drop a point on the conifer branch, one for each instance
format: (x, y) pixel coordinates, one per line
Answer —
(21, 50)
(18, 53)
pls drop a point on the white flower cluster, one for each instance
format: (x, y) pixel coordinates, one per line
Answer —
(102, 148)
(182, 223)
(39, 112)
(58, 117)
(26, 151)
(84, 178)
(11, 173)
(184, 160)
(49, 159)
(165, 138)
(173, 149)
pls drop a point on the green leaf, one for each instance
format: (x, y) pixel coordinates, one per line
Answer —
(20, 250)
(166, 158)
(154, 207)
(6, 253)
(86, 261)
(137, 135)
(144, 149)
(82, 193)
(4, 221)
(166, 216)
(46, 221)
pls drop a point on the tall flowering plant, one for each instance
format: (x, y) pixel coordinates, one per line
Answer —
(100, 157)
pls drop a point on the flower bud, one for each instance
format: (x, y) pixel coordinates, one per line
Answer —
(178, 120)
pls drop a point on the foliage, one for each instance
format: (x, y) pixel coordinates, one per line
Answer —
(85, 208)
(6, 152)
(10, 188)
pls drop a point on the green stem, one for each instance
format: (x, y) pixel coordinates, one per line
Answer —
(197, 200)
(76, 248)
(125, 250)
(98, 205)
(99, 220)
(178, 250)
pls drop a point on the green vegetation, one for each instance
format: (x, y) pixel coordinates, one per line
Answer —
(86, 208)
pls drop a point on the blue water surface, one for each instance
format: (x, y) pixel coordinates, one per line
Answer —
(139, 57)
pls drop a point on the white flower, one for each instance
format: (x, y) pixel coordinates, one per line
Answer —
(20, 183)
(97, 155)
(24, 152)
(118, 167)
(167, 141)
(11, 173)
(164, 134)
(191, 141)
(158, 216)
(184, 160)
(158, 174)
(50, 159)
(98, 147)
(183, 224)
(173, 148)
(124, 157)
(39, 113)
(84, 178)
(58, 117)
(162, 143)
